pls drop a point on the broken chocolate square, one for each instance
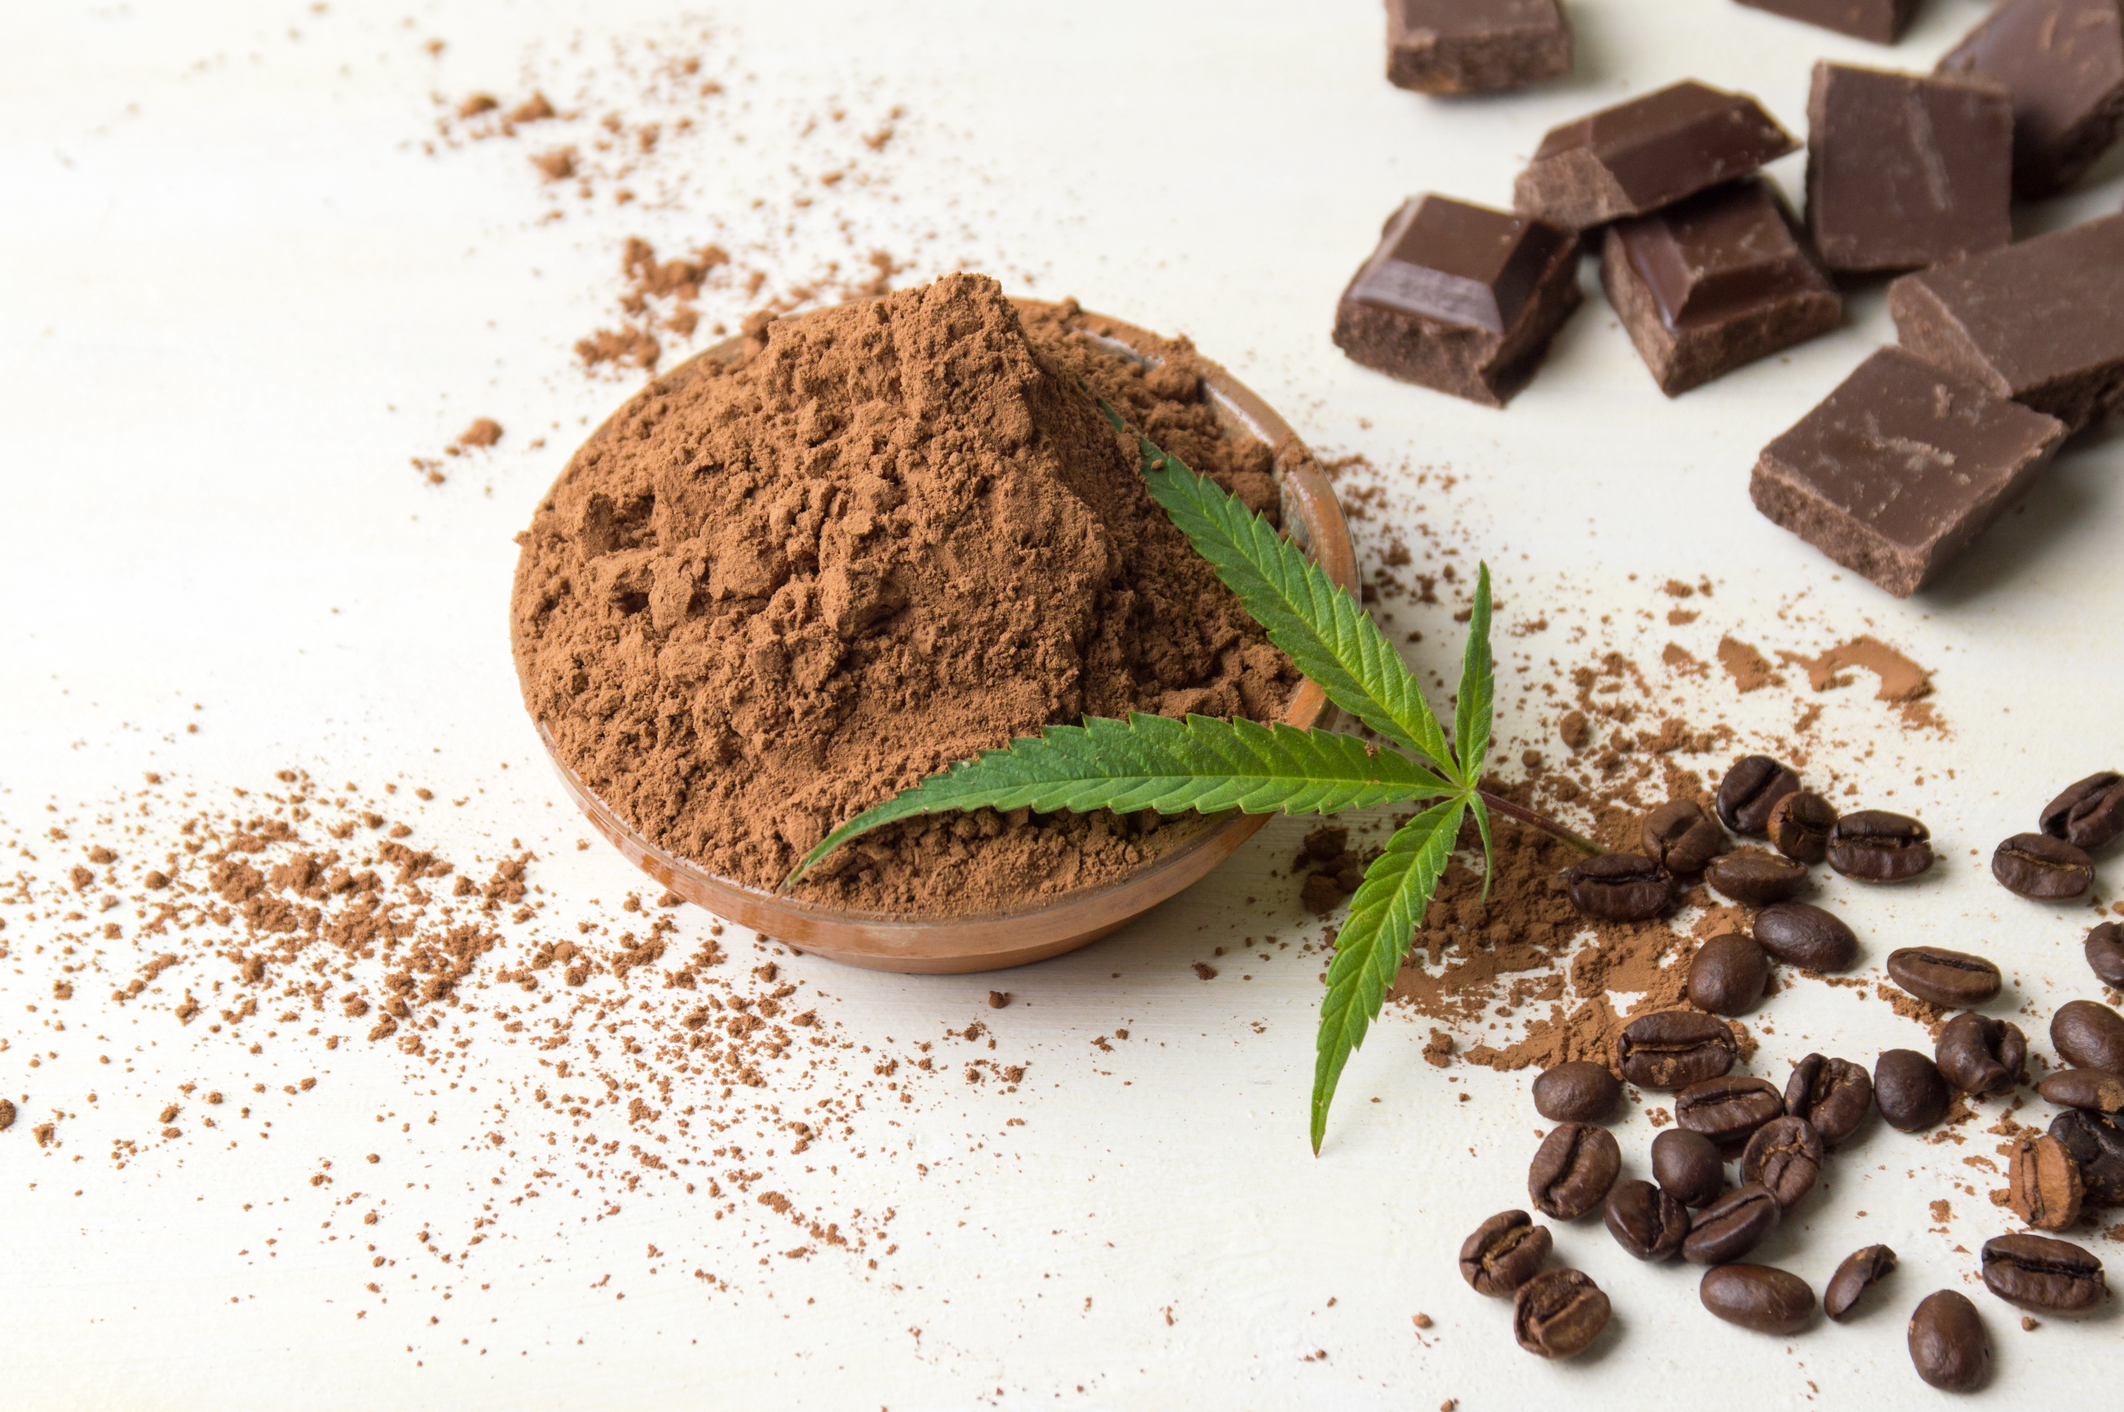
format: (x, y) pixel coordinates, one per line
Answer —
(1881, 21)
(1475, 46)
(1645, 154)
(1904, 170)
(1715, 281)
(1900, 468)
(2063, 62)
(1461, 298)
(2041, 322)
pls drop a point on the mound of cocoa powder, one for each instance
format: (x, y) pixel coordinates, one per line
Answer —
(897, 533)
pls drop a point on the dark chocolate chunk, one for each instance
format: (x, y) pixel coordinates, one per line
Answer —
(2063, 62)
(1645, 154)
(2041, 322)
(1900, 468)
(1461, 298)
(1905, 171)
(1881, 21)
(1475, 46)
(1713, 282)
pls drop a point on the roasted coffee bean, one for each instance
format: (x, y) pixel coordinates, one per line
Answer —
(1799, 826)
(2044, 868)
(1800, 934)
(1861, 1270)
(1757, 1297)
(1572, 1170)
(2096, 1142)
(1948, 1345)
(1681, 837)
(1785, 1155)
(1832, 1094)
(1874, 845)
(2089, 1034)
(1688, 1167)
(1727, 975)
(1504, 1253)
(1982, 1056)
(1910, 1089)
(1671, 1049)
(2043, 1182)
(2105, 953)
(2101, 1090)
(1731, 1226)
(1576, 1092)
(1944, 977)
(1755, 876)
(1751, 790)
(1728, 1109)
(1558, 1313)
(2089, 814)
(2048, 1276)
(1646, 1220)
(1619, 887)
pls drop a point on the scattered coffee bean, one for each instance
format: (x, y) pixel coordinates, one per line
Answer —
(1799, 826)
(1982, 1056)
(1728, 1109)
(1681, 837)
(1800, 934)
(1504, 1253)
(1874, 845)
(1558, 1313)
(2089, 1034)
(1731, 1226)
(1832, 1094)
(2105, 953)
(2096, 1142)
(2045, 1275)
(1751, 790)
(1727, 975)
(1688, 1167)
(1671, 1049)
(1910, 1089)
(2101, 1090)
(1758, 1297)
(1646, 1220)
(1572, 1170)
(1619, 887)
(1944, 977)
(1785, 1155)
(1755, 876)
(1947, 1342)
(2089, 814)
(2043, 1182)
(2044, 868)
(1576, 1092)
(1861, 1270)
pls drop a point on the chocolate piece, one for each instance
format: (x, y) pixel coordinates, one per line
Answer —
(2041, 322)
(2063, 62)
(1713, 282)
(1645, 154)
(1475, 46)
(1900, 468)
(1881, 21)
(1905, 171)
(1461, 298)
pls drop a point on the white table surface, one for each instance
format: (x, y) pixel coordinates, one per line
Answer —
(239, 297)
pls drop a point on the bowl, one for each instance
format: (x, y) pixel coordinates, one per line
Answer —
(990, 941)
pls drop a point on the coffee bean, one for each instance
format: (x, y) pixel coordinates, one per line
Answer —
(1572, 1170)
(2089, 814)
(2045, 1275)
(1874, 845)
(1785, 1155)
(1619, 887)
(2105, 953)
(1681, 837)
(1558, 1312)
(1731, 1226)
(2090, 1035)
(1944, 977)
(1576, 1092)
(1799, 826)
(1861, 1270)
(1646, 1221)
(1727, 975)
(1982, 1056)
(1947, 1342)
(2044, 868)
(1751, 790)
(1800, 934)
(1671, 1049)
(1756, 877)
(2043, 1182)
(2096, 1142)
(1757, 1297)
(1728, 1109)
(2101, 1090)
(1831, 1094)
(1688, 1167)
(1910, 1089)
(1504, 1253)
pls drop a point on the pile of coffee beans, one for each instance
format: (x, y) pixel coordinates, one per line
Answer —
(2057, 862)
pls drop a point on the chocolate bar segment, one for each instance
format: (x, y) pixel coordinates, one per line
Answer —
(1475, 46)
(2041, 322)
(1900, 468)
(1461, 298)
(1716, 281)
(1881, 21)
(1904, 170)
(2063, 62)
(1645, 154)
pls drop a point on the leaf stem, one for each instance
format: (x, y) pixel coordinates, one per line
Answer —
(1540, 821)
